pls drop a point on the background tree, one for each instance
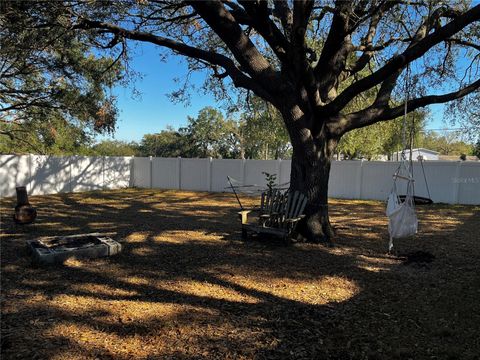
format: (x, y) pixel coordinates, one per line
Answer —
(476, 150)
(53, 136)
(364, 143)
(447, 144)
(50, 76)
(263, 47)
(265, 135)
(210, 134)
(383, 138)
(114, 148)
(167, 143)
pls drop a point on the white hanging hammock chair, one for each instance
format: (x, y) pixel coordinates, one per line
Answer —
(402, 217)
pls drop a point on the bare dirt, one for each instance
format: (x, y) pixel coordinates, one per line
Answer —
(187, 287)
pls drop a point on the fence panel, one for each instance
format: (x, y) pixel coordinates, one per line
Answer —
(468, 182)
(254, 171)
(165, 173)
(221, 168)
(420, 183)
(344, 181)
(284, 169)
(86, 173)
(49, 175)
(377, 180)
(14, 171)
(142, 172)
(440, 176)
(449, 182)
(195, 174)
(116, 172)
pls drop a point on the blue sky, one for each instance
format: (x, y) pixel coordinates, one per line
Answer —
(153, 111)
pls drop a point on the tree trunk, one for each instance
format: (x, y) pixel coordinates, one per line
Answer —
(310, 170)
(311, 179)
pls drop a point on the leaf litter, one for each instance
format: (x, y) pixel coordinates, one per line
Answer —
(187, 287)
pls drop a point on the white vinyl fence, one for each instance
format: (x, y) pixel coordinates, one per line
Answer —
(449, 182)
(452, 182)
(51, 174)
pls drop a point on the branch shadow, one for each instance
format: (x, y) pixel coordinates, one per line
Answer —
(186, 286)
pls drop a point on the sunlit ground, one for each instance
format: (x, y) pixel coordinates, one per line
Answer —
(186, 286)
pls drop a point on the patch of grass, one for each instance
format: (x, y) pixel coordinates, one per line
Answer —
(186, 286)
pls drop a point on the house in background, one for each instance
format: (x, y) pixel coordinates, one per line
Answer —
(425, 154)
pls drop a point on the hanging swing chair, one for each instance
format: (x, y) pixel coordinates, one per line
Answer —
(402, 218)
(418, 200)
(403, 221)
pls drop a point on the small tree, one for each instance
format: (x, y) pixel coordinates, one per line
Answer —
(271, 180)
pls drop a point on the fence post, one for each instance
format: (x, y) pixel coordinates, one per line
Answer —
(209, 173)
(242, 177)
(103, 172)
(70, 181)
(456, 183)
(279, 171)
(131, 180)
(151, 171)
(179, 173)
(359, 180)
(30, 179)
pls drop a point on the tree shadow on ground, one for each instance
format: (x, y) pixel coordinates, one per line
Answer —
(185, 286)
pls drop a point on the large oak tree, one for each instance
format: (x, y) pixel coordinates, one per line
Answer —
(310, 60)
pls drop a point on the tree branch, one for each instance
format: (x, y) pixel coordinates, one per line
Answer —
(238, 77)
(307, 86)
(464, 43)
(302, 10)
(414, 104)
(333, 45)
(223, 23)
(374, 114)
(367, 42)
(259, 15)
(283, 12)
(238, 12)
(399, 62)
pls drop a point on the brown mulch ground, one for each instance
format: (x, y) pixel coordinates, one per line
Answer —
(186, 286)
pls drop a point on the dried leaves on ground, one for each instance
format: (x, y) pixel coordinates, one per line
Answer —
(186, 286)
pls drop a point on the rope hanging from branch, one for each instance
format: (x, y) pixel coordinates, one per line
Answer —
(402, 218)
